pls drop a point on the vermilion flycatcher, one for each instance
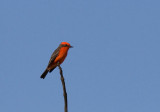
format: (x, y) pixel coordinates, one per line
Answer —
(57, 57)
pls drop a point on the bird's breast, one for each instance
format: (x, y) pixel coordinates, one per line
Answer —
(61, 55)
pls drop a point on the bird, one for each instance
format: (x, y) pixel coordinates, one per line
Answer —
(57, 58)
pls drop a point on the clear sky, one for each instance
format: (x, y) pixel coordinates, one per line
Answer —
(113, 67)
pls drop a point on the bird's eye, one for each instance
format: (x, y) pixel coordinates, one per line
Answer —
(65, 45)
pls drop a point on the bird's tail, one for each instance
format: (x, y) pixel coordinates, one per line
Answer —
(44, 74)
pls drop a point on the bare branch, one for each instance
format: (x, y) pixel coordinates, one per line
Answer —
(64, 89)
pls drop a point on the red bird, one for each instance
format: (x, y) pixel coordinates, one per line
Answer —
(57, 57)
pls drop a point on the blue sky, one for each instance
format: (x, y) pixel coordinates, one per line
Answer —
(113, 67)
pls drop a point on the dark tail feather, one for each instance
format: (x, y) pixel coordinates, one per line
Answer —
(52, 69)
(44, 74)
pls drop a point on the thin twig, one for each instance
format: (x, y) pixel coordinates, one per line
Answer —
(64, 89)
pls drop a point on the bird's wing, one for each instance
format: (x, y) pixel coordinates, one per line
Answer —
(53, 56)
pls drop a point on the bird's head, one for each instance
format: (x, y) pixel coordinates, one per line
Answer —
(66, 44)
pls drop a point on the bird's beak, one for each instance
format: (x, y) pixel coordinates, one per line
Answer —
(70, 46)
